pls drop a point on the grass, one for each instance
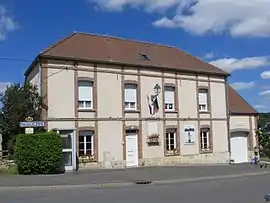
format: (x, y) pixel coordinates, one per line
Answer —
(10, 170)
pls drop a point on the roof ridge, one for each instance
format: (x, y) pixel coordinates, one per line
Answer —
(57, 43)
(126, 39)
(243, 99)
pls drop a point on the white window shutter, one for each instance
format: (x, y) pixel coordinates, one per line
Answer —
(130, 93)
(91, 92)
(85, 91)
(202, 98)
(169, 96)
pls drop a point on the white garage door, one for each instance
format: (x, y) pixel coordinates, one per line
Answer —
(239, 149)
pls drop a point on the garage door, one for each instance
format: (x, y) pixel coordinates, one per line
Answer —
(239, 150)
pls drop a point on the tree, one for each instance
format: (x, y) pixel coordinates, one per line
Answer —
(264, 134)
(264, 119)
(18, 102)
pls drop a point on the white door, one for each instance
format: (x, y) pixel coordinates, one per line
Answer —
(68, 137)
(132, 150)
(239, 149)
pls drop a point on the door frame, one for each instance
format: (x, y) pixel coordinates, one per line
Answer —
(133, 134)
(73, 167)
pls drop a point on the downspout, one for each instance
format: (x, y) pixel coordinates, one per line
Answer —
(228, 113)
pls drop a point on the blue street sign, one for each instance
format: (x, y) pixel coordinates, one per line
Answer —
(32, 124)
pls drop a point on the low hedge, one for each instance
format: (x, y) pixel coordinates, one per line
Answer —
(38, 153)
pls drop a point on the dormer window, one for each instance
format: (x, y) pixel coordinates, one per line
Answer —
(144, 57)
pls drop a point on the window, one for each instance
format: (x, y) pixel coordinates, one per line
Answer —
(86, 143)
(169, 99)
(85, 89)
(171, 140)
(205, 139)
(144, 57)
(203, 100)
(130, 97)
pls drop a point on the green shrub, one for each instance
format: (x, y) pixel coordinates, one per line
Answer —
(38, 153)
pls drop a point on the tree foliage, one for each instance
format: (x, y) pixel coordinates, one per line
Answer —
(264, 134)
(264, 118)
(18, 102)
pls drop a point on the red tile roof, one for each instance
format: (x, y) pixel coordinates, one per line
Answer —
(238, 104)
(98, 48)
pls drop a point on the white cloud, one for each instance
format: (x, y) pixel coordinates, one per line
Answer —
(233, 64)
(262, 108)
(209, 56)
(243, 85)
(265, 93)
(238, 18)
(265, 75)
(259, 106)
(7, 23)
(149, 5)
(3, 86)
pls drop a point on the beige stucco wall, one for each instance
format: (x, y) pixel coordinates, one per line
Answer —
(245, 122)
(61, 95)
(61, 102)
(34, 77)
(218, 100)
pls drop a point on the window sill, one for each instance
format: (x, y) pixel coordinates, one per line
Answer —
(168, 111)
(83, 161)
(86, 110)
(171, 154)
(209, 151)
(132, 111)
(204, 112)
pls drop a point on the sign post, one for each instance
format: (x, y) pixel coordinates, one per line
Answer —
(29, 124)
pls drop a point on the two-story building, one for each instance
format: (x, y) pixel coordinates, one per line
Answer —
(124, 103)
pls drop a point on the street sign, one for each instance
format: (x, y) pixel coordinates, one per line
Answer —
(32, 124)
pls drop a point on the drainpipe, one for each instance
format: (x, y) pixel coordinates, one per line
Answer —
(228, 113)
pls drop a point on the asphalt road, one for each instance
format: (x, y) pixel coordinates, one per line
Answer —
(128, 175)
(223, 190)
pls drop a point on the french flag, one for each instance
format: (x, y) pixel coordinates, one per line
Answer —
(153, 104)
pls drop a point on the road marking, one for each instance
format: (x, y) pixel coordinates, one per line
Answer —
(122, 184)
(197, 179)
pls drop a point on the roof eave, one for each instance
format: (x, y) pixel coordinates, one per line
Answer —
(244, 114)
(224, 74)
(29, 69)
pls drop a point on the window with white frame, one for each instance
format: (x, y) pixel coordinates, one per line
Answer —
(130, 96)
(86, 143)
(170, 139)
(203, 100)
(169, 98)
(205, 139)
(85, 95)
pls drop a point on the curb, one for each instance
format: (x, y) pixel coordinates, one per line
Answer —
(122, 184)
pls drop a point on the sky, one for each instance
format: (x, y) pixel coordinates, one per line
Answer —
(232, 35)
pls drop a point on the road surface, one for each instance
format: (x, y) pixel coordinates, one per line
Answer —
(248, 189)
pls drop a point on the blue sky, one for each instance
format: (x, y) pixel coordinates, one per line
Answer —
(233, 36)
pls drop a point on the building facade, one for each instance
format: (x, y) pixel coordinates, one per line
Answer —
(243, 128)
(132, 103)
